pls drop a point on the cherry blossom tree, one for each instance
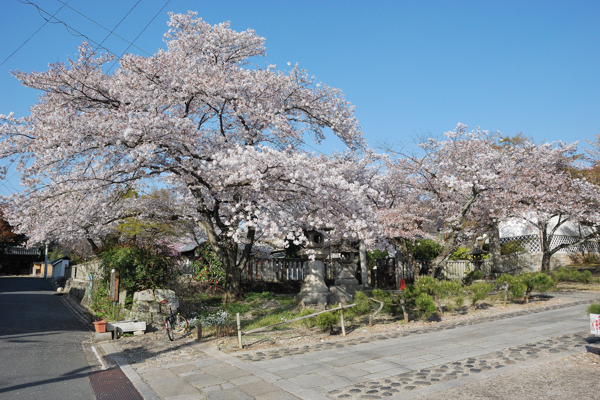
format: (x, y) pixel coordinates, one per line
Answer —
(552, 194)
(471, 184)
(460, 184)
(223, 135)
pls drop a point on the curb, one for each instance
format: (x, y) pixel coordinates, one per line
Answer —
(141, 386)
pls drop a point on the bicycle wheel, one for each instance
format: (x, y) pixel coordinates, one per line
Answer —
(169, 329)
(180, 324)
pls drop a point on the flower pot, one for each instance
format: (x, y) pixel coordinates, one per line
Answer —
(100, 326)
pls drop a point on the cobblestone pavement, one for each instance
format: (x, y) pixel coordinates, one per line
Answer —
(397, 365)
(463, 368)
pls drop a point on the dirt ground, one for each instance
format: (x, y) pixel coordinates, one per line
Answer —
(299, 335)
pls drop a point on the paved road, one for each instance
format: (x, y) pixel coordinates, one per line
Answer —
(41, 344)
(399, 365)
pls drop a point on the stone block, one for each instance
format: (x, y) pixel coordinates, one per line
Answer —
(141, 306)
(126, 326)
(144, 295)
(164, 294)
(102, 337)
(154, 308)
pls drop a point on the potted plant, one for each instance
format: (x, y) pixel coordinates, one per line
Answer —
(100, 323)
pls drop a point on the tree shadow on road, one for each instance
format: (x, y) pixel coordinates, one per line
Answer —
(75, 374)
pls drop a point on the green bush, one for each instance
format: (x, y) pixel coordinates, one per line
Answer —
(480, 291)
(101, 306)
(426, 291)
(425, 304)
(374, 255)
(424, 249)
(363, 306)
(585, 277)
(455, 290)
(462, 253)
(208, 269)
(327, 321)
(472, 276)
(564, 274)
(536, 281)
(510, 247)
(516, 287)
(391, 302)
(594, 308)
(139, 268)
(307, 322)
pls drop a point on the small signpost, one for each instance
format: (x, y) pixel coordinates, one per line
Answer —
(595, 324)
(113, 294)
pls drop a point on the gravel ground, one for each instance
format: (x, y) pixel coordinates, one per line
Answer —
(575, 377)
(302, 336)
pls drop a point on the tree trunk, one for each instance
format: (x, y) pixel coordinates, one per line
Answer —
(233, 276)
(440, 261)
(546, 255)
(364, 271)
(495, 248)
(545, 247)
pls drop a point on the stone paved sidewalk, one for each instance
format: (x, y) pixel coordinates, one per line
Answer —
(381, 366)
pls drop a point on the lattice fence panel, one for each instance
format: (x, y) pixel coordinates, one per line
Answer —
(530, 243)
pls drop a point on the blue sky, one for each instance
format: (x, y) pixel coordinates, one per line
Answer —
(410, 68)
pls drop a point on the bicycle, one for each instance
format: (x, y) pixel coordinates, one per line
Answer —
(174, 323)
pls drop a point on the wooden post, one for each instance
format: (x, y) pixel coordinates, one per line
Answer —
(404, 312)
(239, 329)
(198, 332)
(342, 320)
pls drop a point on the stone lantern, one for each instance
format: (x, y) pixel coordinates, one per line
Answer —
(346, 284)
(477, 254)
(314, 290)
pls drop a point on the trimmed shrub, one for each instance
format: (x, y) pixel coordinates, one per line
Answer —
(479, 292)
(327, 321)
(424, 303)
(594, 308)
(363, 306)
(516, 287)
(536, 281)
(472, 276)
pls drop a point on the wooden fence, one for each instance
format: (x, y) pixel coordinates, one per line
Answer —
(383, 277)
(458, 269)
(276, 270)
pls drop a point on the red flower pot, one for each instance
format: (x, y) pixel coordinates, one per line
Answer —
(100, 326)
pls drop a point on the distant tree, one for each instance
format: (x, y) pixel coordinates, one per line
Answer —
(463, 181)
(471, 183)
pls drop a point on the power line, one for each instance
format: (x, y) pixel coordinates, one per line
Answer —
(34, 33)
(116, 26)
(105, 28)
(140, 34)
(67, 26)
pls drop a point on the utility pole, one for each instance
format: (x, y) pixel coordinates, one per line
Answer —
(45, 260)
